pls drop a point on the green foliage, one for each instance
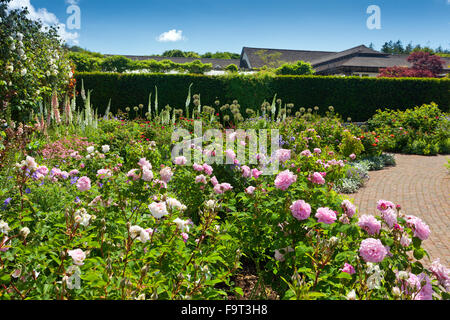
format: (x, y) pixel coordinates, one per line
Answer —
(422, 130)
(347, 95)
(33, 63)
(232, 68)
(296, 69)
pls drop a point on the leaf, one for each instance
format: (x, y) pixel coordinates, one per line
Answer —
(239, 291)
(344, 275)
(417, 243)
(419, 253)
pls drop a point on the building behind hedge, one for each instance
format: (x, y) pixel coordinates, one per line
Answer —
(357, 61)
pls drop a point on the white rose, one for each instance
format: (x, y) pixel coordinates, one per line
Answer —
(90, 149)
(105, 148)
(351, 295)
(158, 209)
(182, 225)
(24, 232)
(23, 72)
(4, 228)
(78, 256)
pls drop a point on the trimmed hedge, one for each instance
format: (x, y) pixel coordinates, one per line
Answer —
(354, 97)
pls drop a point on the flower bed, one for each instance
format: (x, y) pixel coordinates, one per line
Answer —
(122, 218)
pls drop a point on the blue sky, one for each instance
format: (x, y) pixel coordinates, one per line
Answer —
(135, 26)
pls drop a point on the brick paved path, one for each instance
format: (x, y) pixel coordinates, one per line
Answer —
(421, 185)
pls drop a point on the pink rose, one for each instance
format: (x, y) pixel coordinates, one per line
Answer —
(300, 210)
(317, 178)
(84, 184)
(283, 155)
(214, 181)
(200, 179)
(420, 228)
(208, 169)
(348, 268)
(348, 207)
(250, 190)
(256, 173)
(198, 167)
(368, 223)
(104, 173)
(132, 174)
(372, 250)
(326, 215)
(246, 172)
(180, 161)
(166, 174)
(284, 180)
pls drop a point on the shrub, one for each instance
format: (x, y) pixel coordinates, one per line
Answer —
(347, 95)
(299, 68)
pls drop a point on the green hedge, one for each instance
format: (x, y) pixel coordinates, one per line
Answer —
(354, 97)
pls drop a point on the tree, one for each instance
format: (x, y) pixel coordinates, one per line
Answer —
(299, 68)
(424, 61)
(404, 72)
(33, 63)
(116, 64)
(232, 68)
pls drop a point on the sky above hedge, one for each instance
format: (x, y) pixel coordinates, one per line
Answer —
(144, 27)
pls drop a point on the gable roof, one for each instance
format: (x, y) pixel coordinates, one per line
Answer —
(251, 57)
(361, 50)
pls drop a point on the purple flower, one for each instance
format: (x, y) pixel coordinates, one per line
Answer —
(7, 201)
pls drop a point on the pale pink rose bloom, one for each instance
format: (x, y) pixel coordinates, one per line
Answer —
(166, 174)
(300, 210)
(158, 209)
(78, 256)
(370, 224)
(353, 156)
(147, 174)
(200, 179)
(349, 208)
(256, 173)
(306, 153)
(198, 167)
(326, 215)
(43, 170)
(348, 268)
(208, 169)
(405, 241)
(230, 154)
(222, 188)
(246, 172)
(84, 184)
(390, 217)
(372, 250)
(441, 273)
(317, 178)
(420, 228)
(250, 190)
(185, 237)
(104, 173)
(426, 291)
(214, 181)
(132, 174)
(180, 161)
(144, 163)
(284, 180)
(283, 155)
(317, 151)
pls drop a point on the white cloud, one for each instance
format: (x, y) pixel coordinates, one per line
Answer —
(171, 36)
(47, 18)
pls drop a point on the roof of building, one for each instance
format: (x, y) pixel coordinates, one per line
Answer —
(256, 61)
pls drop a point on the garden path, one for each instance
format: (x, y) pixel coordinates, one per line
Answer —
(421, 185)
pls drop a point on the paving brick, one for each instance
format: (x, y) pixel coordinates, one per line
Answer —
(421, 185)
